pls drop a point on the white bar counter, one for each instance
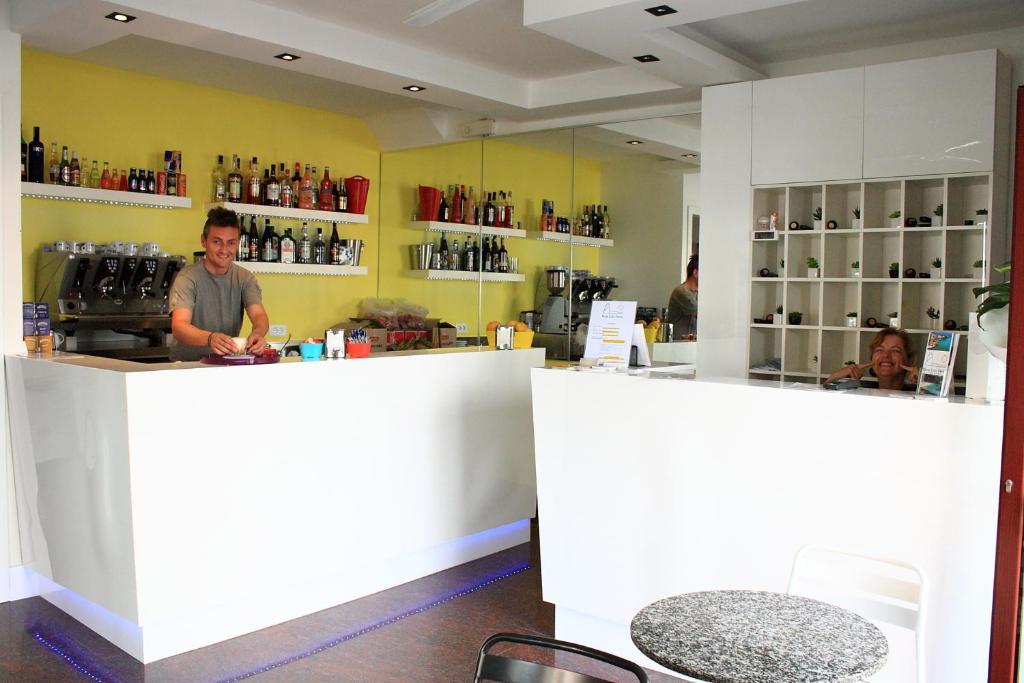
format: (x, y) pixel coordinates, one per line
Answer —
(650, 487)
(173, 506)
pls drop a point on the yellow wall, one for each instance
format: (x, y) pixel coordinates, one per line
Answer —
(129, 119)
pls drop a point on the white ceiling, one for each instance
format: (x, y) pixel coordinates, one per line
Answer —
(528, 64)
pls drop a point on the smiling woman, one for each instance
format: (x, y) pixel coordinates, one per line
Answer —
(892, 359)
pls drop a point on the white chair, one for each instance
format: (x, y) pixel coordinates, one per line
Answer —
(880, 590)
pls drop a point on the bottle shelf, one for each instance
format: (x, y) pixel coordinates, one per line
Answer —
(578, 240)
(301, 268)
(112, 197)
(296, 214)
(468, 229)
(466, 276)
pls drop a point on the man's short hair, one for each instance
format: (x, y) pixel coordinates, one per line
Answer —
(691, 266)
(220, 217)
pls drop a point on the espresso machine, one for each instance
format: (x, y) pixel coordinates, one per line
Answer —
(108, 304)
(555, 313)
(586, 289)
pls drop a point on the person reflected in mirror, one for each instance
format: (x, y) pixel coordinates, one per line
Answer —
(892, 362)
(682, 304)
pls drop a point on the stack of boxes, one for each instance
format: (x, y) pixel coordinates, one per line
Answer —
(35, 322)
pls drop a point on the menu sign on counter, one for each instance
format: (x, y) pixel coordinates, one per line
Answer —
(610, 334)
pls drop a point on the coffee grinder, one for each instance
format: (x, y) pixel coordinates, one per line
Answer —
(555, 316)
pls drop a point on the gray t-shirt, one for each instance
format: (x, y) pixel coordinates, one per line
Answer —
(217, 303)
(682, 311)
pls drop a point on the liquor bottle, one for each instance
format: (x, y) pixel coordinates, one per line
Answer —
(94, 175)
(467, 257)
(334, 252)
(316, 189)
(342, 196)
(235, 180)
(305, 246)
(597, 229)
(115, 180)
(510, 212)
(24, 159)
(133, 181)
(502, 258)
(306, 191)
(267, 244)
(443, 251)
(74, 171)
(105, 178)
(326, 198)
(499, 209)
(150, 182)
(287, 247)
(36, 158)
(254, 240)
(255, 186)
(469, 211)
(485, 259)
(490, 210)
(607, 224)
(220, 180)
(54, 165)
(442, 210)
(296, 181)
(320, 248)
(287, 193)
(456, 204)
(455, 257)
(243, 242)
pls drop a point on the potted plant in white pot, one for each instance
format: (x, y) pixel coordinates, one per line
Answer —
(894, 219)
(936, 269)
(812, 267)
(894, 319)
(816, 217)
(994, 315)
(894, 270)
(979, 270)
(856, 218)
(939, 210)
(778, 317)
(933, 317)
(851, 319)
(855, 269)
(795, 317)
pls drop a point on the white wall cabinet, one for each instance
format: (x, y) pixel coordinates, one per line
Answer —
(808, 127)
(929, 116)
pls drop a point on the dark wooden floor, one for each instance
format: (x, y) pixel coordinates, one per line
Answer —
(39, 643)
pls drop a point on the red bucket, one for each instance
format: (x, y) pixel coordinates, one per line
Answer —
(430, 203)
(357, 187)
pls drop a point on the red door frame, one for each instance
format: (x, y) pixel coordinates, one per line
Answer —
(1002, 667)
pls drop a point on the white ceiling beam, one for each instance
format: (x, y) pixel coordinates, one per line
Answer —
(436, 11)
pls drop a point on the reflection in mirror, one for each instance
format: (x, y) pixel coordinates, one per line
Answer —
(633, 185)
(529, 177)
(422, 219)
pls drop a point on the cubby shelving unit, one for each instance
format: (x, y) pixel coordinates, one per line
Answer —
(822, 342)
(90, 195)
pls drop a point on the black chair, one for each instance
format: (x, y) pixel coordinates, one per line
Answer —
(508, 670)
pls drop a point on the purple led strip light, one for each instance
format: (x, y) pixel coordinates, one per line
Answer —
(83, 664)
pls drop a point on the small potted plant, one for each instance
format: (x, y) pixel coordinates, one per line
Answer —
(817, 218)
(979, 270)
(894, 269)
(856, 218)
(855, 269)
(936, 268)
(795, 317)
(894, 319)
(812, 267)
(778, 317)
(894, 219)
(981, 217)
(938, 215)
(851, 319)
(933, 317)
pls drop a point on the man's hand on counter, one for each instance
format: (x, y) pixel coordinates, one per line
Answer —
(256, 343)
(222, 344)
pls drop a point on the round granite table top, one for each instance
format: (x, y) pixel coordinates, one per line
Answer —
(758, 637)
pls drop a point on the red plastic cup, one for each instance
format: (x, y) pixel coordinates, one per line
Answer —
(357, 187)
(430, 202)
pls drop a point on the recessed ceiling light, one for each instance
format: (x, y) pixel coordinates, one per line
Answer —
(121, 16)
(634, 142)
(689, 156)
(287, 57)
(414, 88)
(646, 58)
(660, 10)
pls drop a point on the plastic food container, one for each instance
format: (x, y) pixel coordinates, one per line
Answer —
(311, 351)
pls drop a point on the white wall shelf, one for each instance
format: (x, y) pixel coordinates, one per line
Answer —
(466, 275)
(564, 237)
(93, 196)
(468, 229)
(294, 214)
(301, 268)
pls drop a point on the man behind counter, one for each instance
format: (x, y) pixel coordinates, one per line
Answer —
(682, 304)
(208, 297)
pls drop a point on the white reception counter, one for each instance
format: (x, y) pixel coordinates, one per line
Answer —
(171, 507)
(682, 485)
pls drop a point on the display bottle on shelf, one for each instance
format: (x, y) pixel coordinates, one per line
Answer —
(243, 241)
(254, 240)
(287, 247)
(490, 210)
(220, 181)
(105, 178)
(306, 191)
(263, 187)
(456, 204)
(342, 196)
(286, 192)
(64, 170)
(24, 159)
(115, 180)
(273, 191)
(486, 262)
(54, 165)
(502, 258)
(499, 210)
(267, 244)
(253, 188)
(442, 210)
(36, 158)
(296, 184)
(335, 245)
(469, 210)
(443, 251)
(510, 209)
(305, 246)
(123, 185)
(150, 182)
(326, 196)
(316, 188)
(469, 258)
(94, 175)
(607, 230)
(75, 171)
(319, 248)
(133, 181)
(234, 183)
